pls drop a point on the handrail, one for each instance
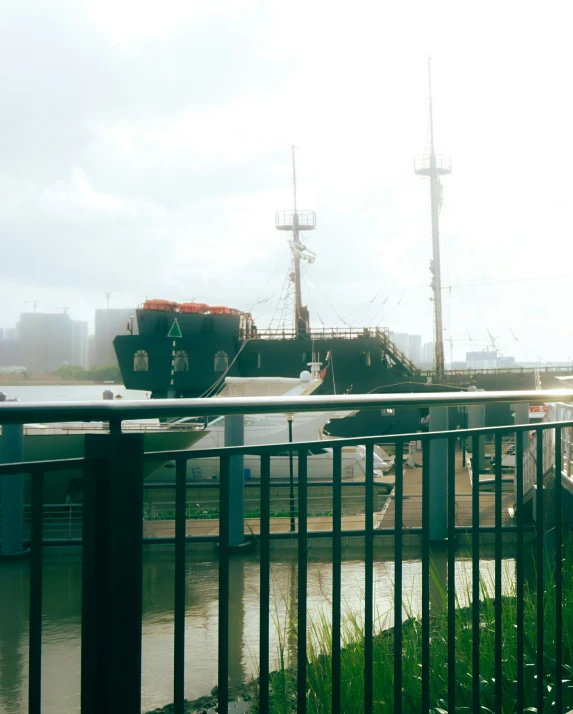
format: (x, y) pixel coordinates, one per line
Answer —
(325, 333)
(397, 353)
(297, 446)
(114, 412)
(517, 369)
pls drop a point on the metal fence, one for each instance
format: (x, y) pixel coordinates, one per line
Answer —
(112, 518)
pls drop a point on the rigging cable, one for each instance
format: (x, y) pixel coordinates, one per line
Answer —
(208, 392)
(269, 279)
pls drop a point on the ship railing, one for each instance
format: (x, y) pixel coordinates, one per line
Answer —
(327, 333)
(434, 515)
(562, 369)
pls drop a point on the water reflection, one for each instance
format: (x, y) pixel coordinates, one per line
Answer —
(62, 609)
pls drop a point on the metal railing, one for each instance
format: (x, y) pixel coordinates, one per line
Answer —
(516, 369)
(112, 514)
(326, 333)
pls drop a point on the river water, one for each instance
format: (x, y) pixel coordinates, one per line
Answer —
(62, 618)
(62, 607)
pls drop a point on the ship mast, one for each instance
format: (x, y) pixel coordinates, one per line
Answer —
(296, 249)
(434, 167)
(296, 221)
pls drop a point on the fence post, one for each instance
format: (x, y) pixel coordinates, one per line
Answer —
(112, 574)
(12, 535)
(438, 476)
(476, 420)
(235, 436)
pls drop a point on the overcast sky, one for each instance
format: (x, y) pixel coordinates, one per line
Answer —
(145, 147)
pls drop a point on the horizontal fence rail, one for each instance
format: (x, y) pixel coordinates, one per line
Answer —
(466, 642)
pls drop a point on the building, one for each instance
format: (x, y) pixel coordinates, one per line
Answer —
(108, 324)
(45, 341)
(79, 344)
(91, 351)
(9, 348)
(402, 341)
(488, 359)
(415, 349)
(428, 353)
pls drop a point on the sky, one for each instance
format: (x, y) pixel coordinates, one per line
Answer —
(145, 147)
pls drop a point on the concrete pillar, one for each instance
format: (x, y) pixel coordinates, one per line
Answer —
(12, 535)
(235, 436)
(438, 475)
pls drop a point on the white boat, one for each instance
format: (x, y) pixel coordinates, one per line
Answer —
(274, 429)
(47, 442)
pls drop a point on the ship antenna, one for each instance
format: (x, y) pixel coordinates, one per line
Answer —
(295, 222)
(434, 167)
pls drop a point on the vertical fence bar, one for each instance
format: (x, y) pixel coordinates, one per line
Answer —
(540, 527)
(398, 556)
(475, 574)
(452, 573)
(223, 655)
(36, 546)
(336, 574)
(302, 576)
(179, 615)
(425, 576)
(519, 567)
(368, 579)
(112, 573)
(558, 573)
(498, 576)
(265, 593)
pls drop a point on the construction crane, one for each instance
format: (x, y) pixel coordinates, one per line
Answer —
(34, 303)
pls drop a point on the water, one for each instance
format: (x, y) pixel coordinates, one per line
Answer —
(67, 392)
(62, 618)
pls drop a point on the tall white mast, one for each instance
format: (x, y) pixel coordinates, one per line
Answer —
(434, 167)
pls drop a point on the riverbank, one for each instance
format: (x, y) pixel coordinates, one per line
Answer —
(40, 380)
(283, 682)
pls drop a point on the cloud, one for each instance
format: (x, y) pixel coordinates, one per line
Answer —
(145, 148)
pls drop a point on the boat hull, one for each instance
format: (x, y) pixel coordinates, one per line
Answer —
(39, 446)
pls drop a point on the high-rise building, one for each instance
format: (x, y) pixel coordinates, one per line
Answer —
(80, 344)
(9, 347)
(402, 341)
(91, 351)
(415, 348)
(108, 324)
(428, 353)
(410, 345)
(45, 341)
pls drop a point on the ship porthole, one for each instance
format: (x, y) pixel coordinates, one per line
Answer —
(140, 361)
(181, 361)
(221, 361)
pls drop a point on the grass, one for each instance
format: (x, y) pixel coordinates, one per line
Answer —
(213, 513)
(319, 658)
